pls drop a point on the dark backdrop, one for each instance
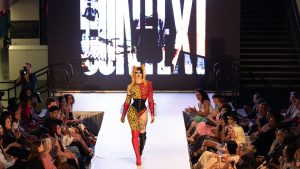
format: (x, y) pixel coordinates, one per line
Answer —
(222, 47)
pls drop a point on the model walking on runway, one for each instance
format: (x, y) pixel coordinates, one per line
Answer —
(139, 90)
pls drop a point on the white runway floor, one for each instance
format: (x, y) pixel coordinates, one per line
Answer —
(166, 146)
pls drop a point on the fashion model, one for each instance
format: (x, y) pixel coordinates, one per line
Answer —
(139, 90)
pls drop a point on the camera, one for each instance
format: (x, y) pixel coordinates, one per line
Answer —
(23, 71)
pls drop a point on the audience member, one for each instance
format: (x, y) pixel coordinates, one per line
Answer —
(253, 111)
(35, 157)
(226, 158)
(264, 139)
(27, 80)
(205, 109)
(260, 119)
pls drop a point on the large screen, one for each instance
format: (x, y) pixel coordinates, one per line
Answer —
(119, 34)
(178, 41)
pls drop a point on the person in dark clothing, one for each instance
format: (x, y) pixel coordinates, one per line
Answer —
(265, 139)
(12, 138)
(51, 122)
(90, 13)
(35, 159)
(27, 80)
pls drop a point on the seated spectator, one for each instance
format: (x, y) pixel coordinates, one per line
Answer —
(247, 161)
(52, 122)
(205, 109)
(261, 118)
(264, 139)
(49, 103)
(216, 132)
(297, 158)
(46, 157)
(8, 161)
(292, 108)
(245, 148)
(203, 105)
(204, 127)
(35, 157)
(239, 134)
(286, 160)
(293, 118)
(27, 110)
(29, 97)
(13, 141)
(57, 149)
(232, 132)
(62, 163)
(19, 125)
(63, 108)
(276, 150)
(252, 112)
(69, 107)
(61, 151)
(226, 158)
(75, 124)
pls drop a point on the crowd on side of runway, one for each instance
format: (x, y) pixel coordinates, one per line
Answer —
(264, 138)
(51, 139)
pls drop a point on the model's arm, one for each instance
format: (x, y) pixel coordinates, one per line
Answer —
(150, 98)
(127, 101)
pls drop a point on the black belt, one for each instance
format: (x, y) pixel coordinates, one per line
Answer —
(139, 104)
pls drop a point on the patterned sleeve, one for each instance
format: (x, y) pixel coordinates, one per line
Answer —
(126, 103)
(150, 98)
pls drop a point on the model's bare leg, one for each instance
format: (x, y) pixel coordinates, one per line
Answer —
(142, 127)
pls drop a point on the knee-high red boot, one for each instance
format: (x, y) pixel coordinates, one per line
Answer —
(136, 146)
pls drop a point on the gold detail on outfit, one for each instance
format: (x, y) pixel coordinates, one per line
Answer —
(128, 99)
(133, 115)
(135, 91)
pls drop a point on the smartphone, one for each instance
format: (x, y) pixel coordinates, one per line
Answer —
(220, 128)
(232, 164)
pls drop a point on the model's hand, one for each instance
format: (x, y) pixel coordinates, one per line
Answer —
(123, 119)
(152, 119)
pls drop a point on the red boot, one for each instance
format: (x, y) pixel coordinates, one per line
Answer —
(136, 146)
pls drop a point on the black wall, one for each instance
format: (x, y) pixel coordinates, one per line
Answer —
(222, 46)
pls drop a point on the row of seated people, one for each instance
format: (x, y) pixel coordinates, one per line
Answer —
(220, 138)
(51, 140)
